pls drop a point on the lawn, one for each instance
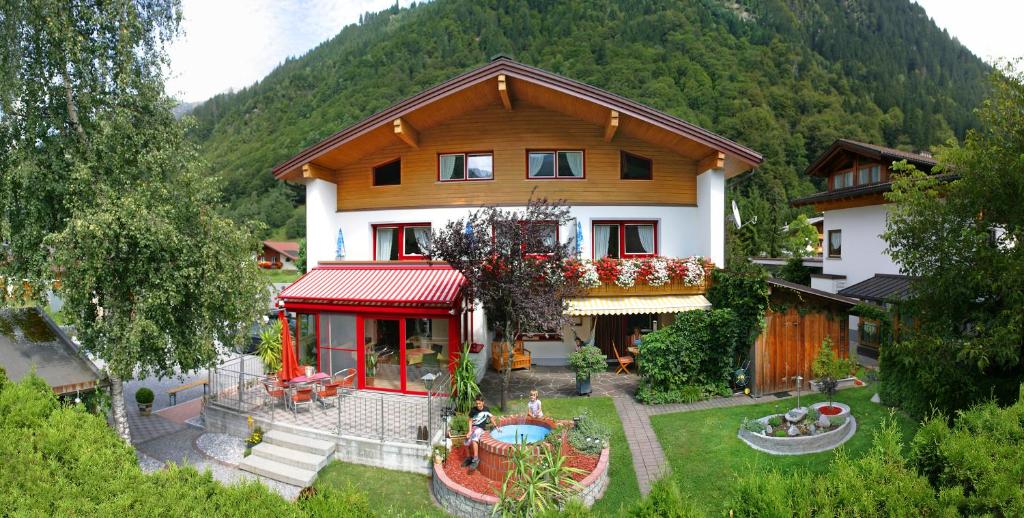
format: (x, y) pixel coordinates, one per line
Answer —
(706, 456)
(392, 493)
(407, 494)
(280, 276)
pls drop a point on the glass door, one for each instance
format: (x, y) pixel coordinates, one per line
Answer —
(383, 353)
(426, 352)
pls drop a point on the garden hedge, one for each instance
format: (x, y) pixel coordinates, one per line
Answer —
(63, 461)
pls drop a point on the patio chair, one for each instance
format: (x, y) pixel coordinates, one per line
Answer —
(327, 392)
(624, 361)
(301, 395)
(275, 392)
(345, 378)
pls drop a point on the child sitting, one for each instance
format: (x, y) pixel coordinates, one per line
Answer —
(533, 408)
(479, 415)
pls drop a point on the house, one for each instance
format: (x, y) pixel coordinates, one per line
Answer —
(29, 340)
(641, 183)
(855, 211)
(279, 255)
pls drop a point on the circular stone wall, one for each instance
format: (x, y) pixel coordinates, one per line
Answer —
(801, 444)
(494, 453)
(463, 502)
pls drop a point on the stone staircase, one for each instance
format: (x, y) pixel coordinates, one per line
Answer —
(289, 458)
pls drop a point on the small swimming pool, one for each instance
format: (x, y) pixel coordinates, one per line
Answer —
(513, 433)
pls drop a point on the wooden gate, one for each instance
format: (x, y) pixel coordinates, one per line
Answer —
(788, 345)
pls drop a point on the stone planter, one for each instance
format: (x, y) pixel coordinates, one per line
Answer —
(583, 387)
(800, 445)
(845, 409)
(145, 408)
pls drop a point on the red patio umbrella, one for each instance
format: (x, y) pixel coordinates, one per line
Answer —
(289, 364)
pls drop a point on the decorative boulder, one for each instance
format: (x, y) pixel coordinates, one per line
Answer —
(812, 429)
(793, 431)
(767, 429)
(823, 421)
(876, 399)
(796, 415)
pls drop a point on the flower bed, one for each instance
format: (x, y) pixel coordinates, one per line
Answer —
(629, 273)
(799, 431)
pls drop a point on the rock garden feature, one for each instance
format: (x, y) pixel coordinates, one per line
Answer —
(799, 431)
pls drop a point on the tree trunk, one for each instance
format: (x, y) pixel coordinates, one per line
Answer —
(506, 378)
(72, 111)
(118, 410)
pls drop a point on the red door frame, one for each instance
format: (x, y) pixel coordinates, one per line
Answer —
(385, 313)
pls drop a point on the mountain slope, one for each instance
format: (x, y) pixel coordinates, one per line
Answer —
(785, 77)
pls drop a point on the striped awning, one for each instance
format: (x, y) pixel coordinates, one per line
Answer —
(385, 284)
(635, 305)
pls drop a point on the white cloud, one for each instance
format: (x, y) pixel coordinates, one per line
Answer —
(230, 44)
(989, 28)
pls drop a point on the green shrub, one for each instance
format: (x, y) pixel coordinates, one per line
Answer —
(586, 429)
(687, 394)
(836, 420)
(775, 420)
(753, 425)
(465, 388)
(665, 500)
(459, 425)
(697, 350)
(780, 432)
(144, 396)
(347, 502)
(587, 361)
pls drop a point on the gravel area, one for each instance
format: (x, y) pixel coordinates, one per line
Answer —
(221, 446)
(179, 448)
(148, 464)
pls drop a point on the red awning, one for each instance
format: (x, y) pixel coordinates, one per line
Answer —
(384, 284)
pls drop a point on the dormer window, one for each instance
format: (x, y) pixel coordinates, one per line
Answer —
(869, 174)
(842, 180)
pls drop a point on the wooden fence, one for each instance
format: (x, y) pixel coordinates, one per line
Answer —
(788, 345)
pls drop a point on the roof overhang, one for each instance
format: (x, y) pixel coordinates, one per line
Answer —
(866, 150)
(418, 285)
(807, 290)
(504, 81)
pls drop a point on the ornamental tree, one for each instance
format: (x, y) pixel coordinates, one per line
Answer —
(101, 185)
(513, 268)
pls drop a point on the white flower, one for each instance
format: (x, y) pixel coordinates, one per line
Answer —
(694, 271)
(589, 278)
(627, 273)
(659, 273)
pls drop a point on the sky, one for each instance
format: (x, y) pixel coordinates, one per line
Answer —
(231, 44)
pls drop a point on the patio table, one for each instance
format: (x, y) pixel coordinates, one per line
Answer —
(310, 379)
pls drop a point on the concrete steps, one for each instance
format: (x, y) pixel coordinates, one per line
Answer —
(289, 458)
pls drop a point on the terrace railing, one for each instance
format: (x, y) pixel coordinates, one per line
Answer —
(237, 385)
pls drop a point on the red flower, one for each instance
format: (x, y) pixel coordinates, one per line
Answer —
(607, 269)
(644, 270)
(677, 269)
(572, 270)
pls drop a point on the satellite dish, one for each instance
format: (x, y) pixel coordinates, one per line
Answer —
(736, 214)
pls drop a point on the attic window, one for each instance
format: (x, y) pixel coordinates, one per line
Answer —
(869, 174)
(633, 167)
(388, 174)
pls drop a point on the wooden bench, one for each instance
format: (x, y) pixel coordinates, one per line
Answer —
(521, 358)
(172, 394)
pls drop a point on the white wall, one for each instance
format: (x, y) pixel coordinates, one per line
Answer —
(678, 228)
(711, 214)
(321, 224)
(863, 253)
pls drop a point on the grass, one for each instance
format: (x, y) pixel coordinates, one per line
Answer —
(407, 494)
(279, 276)
(706, 456)
(391, 493)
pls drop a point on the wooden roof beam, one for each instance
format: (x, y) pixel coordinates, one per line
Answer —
(311, 171)
(407, 133)
(506, 101)
(611, 125)
(716, 160)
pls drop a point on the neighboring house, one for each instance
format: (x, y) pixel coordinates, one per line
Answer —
(641, 183)
(854, 261)
(29, 339)
(280, 255)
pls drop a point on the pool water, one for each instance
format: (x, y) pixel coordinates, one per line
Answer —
(512, 433)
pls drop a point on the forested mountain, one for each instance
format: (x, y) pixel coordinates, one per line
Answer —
(785, 77)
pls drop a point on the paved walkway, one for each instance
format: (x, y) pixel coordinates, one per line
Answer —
(648, 457)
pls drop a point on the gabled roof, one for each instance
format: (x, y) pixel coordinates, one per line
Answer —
(416, 285)
(737, 158)
(860, 190)
(880, 288)
(807, 290)
(289, 249)
(873, 151)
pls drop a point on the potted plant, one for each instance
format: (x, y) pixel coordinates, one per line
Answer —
(144, 397)
(458, 428)
(829, 369)
(464, 388)
(371, 366)
(586, 361)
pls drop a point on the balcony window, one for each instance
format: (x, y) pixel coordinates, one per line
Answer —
(633, 167)
(554, 164)
(625, 240)
(455, 167)
(542, 237)
(835, 243)
(388, 174)
(400, 242)
(842, 180)
(869, 174)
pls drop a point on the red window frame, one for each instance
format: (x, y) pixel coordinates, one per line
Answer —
(556, 152)
(558, 237)
(465, 166)
(622, 236)
(402, 256)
